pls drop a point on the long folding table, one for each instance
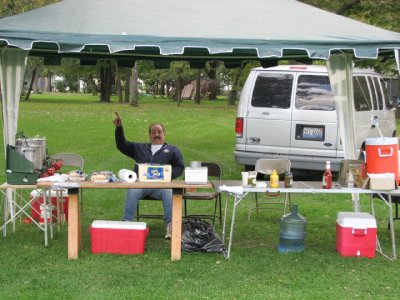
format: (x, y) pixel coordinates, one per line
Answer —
(74, 228)
(239, 192)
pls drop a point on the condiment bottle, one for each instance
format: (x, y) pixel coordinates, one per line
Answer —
(274, 180)
(288, 179)
(327, 177)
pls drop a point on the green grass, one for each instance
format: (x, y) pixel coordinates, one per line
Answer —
(78, 123)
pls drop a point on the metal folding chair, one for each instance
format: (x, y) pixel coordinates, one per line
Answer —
(69, 160)
(214, 171)
(266, 167)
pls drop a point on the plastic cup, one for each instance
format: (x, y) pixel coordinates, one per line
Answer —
(245, 178)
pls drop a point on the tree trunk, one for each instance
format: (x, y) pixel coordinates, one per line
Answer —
(197, 93)
(212, 75)
(28, 93)
(127, 86)
(106, 81)
(232, 94)
(133, 99)
(118, 83)
(346, 6)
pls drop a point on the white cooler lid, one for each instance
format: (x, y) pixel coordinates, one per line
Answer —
(382, 141)
(118, 224)
(53, 193)
(356, 220)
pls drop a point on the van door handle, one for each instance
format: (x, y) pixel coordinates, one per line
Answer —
(265, 113)
(328, 144)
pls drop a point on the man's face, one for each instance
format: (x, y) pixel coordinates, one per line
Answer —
(157, 135)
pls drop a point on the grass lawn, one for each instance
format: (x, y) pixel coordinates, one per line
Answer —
(80, 124)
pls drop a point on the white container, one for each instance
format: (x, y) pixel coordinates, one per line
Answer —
(196, 175)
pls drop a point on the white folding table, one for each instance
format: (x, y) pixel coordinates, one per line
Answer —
(240, 192)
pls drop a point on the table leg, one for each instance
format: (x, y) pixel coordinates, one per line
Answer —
(232, 225)
(74, 228)
(392, 228)
(176, 239)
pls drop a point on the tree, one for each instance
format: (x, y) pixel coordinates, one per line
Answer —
(13, 7)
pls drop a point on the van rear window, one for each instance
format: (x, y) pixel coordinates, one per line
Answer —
(314, 93)
(272, 90)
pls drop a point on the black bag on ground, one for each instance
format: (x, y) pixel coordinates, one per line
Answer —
(198, 235)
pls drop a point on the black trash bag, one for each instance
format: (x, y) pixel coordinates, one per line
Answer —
(198, 235)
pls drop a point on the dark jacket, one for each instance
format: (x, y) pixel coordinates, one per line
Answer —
(141, 153)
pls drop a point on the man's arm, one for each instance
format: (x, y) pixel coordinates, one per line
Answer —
(177, 164)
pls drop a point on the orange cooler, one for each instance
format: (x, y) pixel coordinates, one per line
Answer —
(382, 156)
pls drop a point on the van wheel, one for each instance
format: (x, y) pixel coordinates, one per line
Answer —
(248, 168)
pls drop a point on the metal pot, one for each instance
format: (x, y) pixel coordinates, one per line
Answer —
(38, 145)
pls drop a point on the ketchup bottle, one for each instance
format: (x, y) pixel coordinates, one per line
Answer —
(327, 177)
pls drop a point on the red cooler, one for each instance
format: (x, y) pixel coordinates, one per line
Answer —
(37, 208)
(356, 234)
(118, 237)
(382, 156)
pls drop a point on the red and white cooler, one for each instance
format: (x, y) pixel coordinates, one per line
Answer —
(39, 212)
(356, 234)
(382, 156)
(118, 237)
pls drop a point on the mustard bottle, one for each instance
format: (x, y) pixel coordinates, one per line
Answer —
(274, 180)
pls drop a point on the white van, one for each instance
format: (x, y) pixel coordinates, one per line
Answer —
(289, 112)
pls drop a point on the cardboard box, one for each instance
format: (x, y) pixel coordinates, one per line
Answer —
(198, 175)
(118, 237)
(383, 182)
(154, 173)
(356, 234)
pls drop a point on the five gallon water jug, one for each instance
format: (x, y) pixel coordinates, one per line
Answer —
(293, 232)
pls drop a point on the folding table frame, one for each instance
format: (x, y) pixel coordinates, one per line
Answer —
(16, 205)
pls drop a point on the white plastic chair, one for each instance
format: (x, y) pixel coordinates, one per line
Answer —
(267, 166)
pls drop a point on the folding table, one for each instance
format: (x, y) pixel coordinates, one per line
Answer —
(240, 192)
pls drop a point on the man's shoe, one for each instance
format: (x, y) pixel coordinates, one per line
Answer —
(168, 231)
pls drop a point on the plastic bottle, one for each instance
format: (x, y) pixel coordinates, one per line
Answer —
(327, 177)
(293, 232)
(274, 180)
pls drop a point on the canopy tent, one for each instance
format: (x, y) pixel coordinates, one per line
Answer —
(191, 30)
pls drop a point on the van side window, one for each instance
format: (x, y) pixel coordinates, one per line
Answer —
(388, 105)
(372, 89)
(314, 93)
(378, 93)
(362, 97)
(272, 90)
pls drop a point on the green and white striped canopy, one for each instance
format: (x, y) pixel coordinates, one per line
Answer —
(193, 30)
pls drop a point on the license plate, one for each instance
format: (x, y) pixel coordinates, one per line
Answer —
(313, 133)
(310, 133)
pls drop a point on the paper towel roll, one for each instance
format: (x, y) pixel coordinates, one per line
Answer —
(127, 175)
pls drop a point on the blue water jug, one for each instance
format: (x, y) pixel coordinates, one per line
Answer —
(292, 232)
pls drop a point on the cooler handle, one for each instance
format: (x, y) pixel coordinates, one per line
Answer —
(359, 231)
(385, 155)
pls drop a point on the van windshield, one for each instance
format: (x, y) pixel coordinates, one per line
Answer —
(314, 93)
(272, 90)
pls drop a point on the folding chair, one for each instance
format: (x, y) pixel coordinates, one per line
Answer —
(69, 160)
(266, 167)
(214, 170)
(148, 216)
